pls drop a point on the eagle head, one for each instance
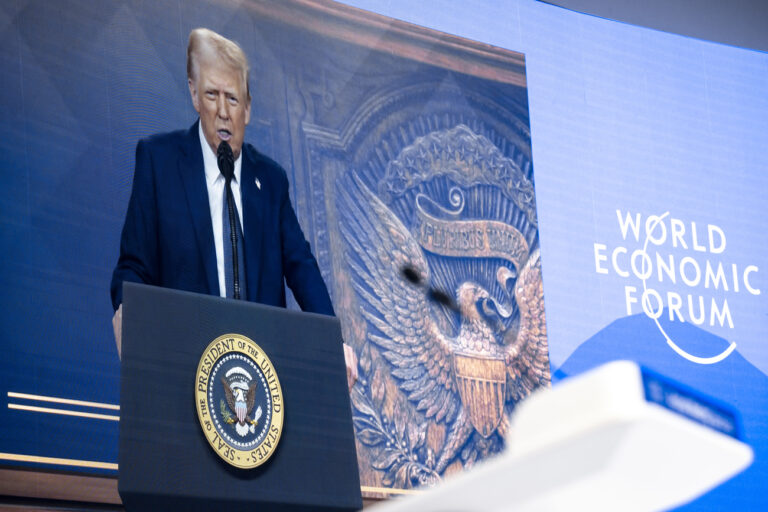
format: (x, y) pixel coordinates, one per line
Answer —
(469, 296)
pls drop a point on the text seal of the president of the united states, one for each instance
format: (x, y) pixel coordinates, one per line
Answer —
(239, 401)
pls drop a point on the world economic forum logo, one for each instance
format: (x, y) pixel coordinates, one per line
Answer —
(239, 401)
(677, 269)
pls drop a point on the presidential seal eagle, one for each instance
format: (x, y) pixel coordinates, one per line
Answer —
(465, 378)
(240, 392)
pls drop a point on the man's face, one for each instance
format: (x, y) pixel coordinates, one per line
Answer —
(219, 96)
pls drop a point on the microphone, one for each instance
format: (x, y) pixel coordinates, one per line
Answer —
(412, 276)
(226, 160)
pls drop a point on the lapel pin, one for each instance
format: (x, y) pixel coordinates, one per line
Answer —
(257, 182)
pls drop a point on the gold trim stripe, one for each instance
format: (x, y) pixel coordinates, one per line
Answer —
(387, 490)
(68, 401)
(110, 465)
(65, 412)
(54, 460)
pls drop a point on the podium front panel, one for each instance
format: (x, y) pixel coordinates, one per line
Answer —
(165, 460)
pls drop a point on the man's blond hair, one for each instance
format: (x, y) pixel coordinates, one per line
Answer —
(205, 43)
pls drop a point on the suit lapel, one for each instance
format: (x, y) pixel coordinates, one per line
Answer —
(253, 213)
(192, 176)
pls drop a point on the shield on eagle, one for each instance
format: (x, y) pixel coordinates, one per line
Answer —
(482, 383)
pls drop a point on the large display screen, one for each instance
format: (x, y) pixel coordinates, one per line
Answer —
(649, 216)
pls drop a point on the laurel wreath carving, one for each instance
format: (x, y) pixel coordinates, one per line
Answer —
(398, 441)
(228, 418)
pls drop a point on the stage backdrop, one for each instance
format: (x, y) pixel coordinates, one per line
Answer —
(649, 222)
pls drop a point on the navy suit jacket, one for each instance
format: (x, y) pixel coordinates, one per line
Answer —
(167, 238)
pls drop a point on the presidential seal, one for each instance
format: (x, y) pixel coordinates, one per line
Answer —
(239, 401)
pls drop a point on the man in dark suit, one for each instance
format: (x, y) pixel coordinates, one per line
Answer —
(175, 233)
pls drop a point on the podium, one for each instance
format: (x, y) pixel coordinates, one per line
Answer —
(165, 460)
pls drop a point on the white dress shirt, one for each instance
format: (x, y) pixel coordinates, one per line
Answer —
(215, 182)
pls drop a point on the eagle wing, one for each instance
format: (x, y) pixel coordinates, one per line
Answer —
(527, 356)
(228, 394)
(250, 397)
(398, 315)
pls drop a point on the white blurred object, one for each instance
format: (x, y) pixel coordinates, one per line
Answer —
(616, 438)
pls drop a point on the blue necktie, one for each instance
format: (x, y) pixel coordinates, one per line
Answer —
(234, 270)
